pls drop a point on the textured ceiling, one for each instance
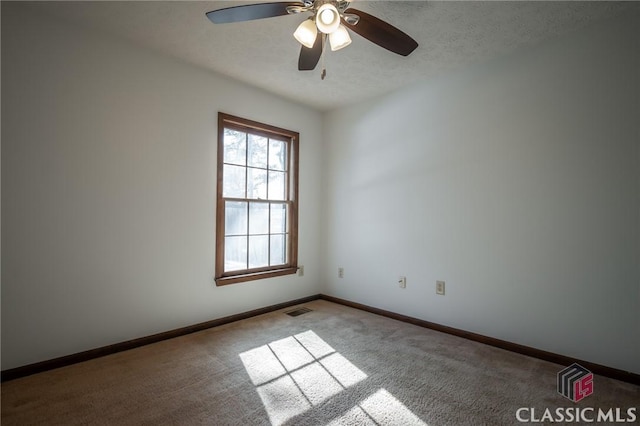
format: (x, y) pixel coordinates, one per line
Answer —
(263, 53)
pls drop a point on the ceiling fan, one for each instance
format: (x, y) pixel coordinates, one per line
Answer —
(329, 20)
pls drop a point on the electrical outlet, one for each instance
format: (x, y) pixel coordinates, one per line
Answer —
(402, 282)
(440, 287)
(301, 271)
(341, 272)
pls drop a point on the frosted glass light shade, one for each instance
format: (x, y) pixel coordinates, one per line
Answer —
(339, 38)
(327, 18)
(306, 33)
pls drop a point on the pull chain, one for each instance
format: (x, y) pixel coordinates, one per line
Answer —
(324, 44)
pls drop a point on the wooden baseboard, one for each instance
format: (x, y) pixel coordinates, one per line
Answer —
(27, 370)
(39, 367)
(614, 373)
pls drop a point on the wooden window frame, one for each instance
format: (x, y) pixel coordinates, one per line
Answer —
(291, 200)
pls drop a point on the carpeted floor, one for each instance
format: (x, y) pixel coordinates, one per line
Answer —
(332, 366)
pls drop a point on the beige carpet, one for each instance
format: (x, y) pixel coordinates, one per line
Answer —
(334, 365)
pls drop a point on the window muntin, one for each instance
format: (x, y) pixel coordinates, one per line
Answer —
(256, 231)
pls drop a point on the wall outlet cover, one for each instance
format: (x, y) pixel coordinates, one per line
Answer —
(402, 282)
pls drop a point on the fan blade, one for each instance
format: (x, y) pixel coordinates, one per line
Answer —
(309, 57)
(381, 33)
(249, 12)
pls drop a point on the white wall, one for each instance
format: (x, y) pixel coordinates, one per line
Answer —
(108, 191)
(517, 182)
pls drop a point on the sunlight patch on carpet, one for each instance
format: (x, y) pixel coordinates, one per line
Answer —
(355, 416)
(385, 409)
(295, 374)
(314, 344)
(291, 353)
(379, 409)
(342, 370)
(283, 400)
(262, 365)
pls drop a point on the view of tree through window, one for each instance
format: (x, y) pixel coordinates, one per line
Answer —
(257, 210)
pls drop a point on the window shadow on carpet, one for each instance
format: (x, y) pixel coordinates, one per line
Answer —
(301, 372)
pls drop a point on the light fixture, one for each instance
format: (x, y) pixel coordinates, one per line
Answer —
(339, 38)
(327, 18)
(306, 33)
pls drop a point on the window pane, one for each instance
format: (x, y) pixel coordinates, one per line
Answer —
(233, 181)
(235, 253)
(278, 218)
(278, 254)
(277, 155)
(276, 185)
(257, 151)
(257, 187)
(235, 218)
(258, 218)
(258, 251)
(235, 147)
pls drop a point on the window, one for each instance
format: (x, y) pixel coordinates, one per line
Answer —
(257, 201)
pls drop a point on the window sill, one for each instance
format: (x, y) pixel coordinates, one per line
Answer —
(220, 281)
